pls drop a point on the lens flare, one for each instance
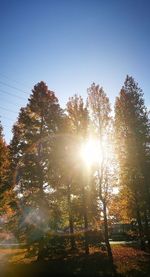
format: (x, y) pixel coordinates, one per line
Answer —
(91, 152)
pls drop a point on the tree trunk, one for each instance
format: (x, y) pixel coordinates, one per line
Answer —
(85, 221)
(71, 225)
(147, 230)
(106, 233)
(42, 201)
(86, 230)
(140, 228)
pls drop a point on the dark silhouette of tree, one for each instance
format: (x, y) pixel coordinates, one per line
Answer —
(33, 136)
(132, 131)
(4, 172)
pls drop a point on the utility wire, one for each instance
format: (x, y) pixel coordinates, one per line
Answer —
(8, 110)
(9, 102)
(12, 79)
(3, 83)
(7, 126)
(5, 117)
(12, 94)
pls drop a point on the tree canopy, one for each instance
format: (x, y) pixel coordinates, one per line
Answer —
(51, 188)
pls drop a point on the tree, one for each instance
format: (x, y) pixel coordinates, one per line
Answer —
(33, 138)
(5, 210)
(4, 165)
(132, 132)
(99, 110)
(78, 121)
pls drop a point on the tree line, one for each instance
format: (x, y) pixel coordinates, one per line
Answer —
(47, 188)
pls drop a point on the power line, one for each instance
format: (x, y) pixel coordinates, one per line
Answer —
(8, 110)
(12, 79)
(3, 83)
(8, 126)
(5, 117)
(9, 102)
(12, 94)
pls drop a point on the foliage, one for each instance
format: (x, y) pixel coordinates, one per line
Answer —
(132, 132)
(48, 187)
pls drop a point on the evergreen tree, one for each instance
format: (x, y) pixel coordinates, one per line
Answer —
(4, 165)
(132, 132)
(33, 138)
(5, 210)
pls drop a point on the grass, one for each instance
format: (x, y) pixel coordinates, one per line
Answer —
(128, 260)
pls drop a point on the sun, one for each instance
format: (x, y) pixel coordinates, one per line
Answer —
(91, 152)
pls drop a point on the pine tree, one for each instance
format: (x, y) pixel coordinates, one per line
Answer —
(4, 176)
(4, 164)
(132, 131)
(33, 138)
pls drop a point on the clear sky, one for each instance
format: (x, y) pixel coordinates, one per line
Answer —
(69, 44)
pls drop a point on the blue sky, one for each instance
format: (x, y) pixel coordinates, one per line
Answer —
(69, 44)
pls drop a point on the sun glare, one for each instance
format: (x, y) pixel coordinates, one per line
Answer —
(90, 152)
(115, 190)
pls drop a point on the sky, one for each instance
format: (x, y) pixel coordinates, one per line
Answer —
(70, 44)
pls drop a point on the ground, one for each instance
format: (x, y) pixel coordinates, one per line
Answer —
(129, 261)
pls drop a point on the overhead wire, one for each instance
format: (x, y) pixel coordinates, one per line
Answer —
(8, 110)
(12, 79)
(12, 94)
(8, 126)
(5, 117)
(2, 117)
(8, 102)
(13, 87)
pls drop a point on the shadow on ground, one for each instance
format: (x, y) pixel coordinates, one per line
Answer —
(130, 263)
(83, 265)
